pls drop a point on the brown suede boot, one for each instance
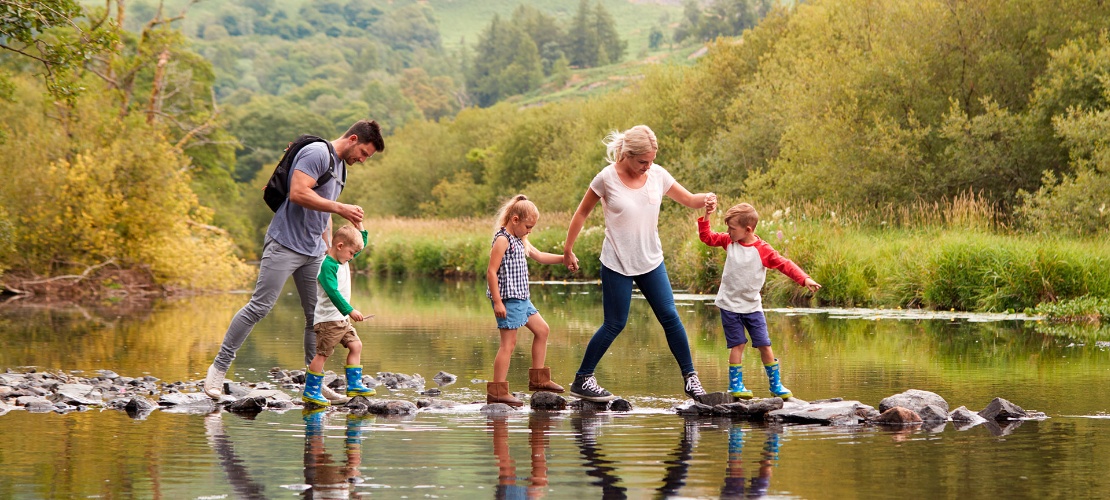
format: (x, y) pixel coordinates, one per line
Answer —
(498, 392)
(539, 379)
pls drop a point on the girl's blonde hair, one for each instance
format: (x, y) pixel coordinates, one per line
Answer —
(519, 206)
(637, 140)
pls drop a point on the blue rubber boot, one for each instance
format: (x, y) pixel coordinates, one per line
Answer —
(313, 421)
(354, 382)
(735, 441)
(312, 384)
(775, 379)
(736, 383)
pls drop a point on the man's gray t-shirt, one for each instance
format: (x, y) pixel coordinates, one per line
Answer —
(298, 228)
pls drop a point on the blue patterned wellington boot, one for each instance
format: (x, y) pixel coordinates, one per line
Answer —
(312, 383)
(774, 377)
(736, 383)
(313, 420)
(735, 441)
(354, 382)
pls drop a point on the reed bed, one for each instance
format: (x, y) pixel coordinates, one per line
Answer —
(961, 255)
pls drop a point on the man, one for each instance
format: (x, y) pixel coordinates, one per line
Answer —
(296, 241)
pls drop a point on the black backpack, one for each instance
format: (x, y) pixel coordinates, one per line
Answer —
(277, 189)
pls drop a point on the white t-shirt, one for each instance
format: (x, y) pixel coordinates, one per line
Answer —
(631, 245)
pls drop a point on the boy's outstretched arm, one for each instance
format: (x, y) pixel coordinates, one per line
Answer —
(772, 259)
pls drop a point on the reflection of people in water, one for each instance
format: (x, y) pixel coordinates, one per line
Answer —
(508, 484)
(585, 427)
(327, 478)
(240, 478)
(679, 464)
(735, 485)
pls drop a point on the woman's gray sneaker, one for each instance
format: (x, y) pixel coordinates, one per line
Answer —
(585, 387)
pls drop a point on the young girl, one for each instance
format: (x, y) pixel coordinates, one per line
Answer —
(507, 280)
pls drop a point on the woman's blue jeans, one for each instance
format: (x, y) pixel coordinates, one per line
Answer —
(616, 294)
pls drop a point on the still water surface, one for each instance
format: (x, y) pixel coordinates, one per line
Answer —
(424, 326)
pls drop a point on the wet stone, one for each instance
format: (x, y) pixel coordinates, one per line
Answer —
(443, 378)
(544, 400)
(497, 409)
(914, 400)
(716, 398)
(962, 415)
(435, 404)
(434, 391)
(248, 405)
(999, 410)
(933, 414)
(139, 404)
(837, 413)
(898, 416)
(394, 407)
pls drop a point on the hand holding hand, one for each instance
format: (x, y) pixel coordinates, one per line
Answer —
(813, 286)
(571, 261)
(352, 213)
(710, 204)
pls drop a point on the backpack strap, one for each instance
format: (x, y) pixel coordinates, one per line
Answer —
(327, 176)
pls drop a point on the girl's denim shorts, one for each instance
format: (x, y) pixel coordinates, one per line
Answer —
(517, 312)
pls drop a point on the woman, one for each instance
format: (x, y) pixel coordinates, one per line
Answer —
(632, 188)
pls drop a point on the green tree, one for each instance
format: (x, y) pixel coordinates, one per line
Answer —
(506, 63)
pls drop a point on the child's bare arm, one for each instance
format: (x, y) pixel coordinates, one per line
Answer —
(543, 257)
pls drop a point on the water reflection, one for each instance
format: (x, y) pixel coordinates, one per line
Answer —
(238, 476)
(509, 484)
(325, 476)
(601, 469)
(737, 484)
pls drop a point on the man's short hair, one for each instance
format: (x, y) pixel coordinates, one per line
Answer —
(367, 131)
(348, 235)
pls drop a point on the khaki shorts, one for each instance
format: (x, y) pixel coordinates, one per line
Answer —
(331, 333)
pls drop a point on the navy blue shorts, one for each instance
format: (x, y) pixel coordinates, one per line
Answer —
(517, 312)
(736, 323)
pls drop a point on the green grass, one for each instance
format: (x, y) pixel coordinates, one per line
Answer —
(464, 19)
(943, 258)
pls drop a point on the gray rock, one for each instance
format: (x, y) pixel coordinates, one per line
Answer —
(26, 400)
(590, 406)
(38, 405)
(716, 398)
(185, 399)
(401, 381)
(497, 409)
(4, 408)
(139, 403)
(964, 418)
(914, 400)
(12, 379)
(434, 391)
(443, 378)
(999, 410)
(237, 389)
(269, 395)
(695, 409)
(837, 413)
(752, 408)
(933, 414)
(435, 404)
(108, 374)
(898, 416)
(248, 405)
(394, 407)
(78, 394)
(544, 400)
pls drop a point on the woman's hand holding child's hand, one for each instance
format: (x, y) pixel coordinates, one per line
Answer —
(710, 204)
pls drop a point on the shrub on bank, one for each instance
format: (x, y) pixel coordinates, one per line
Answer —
(928, 265)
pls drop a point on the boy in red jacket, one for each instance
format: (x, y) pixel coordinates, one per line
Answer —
(741, 305)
